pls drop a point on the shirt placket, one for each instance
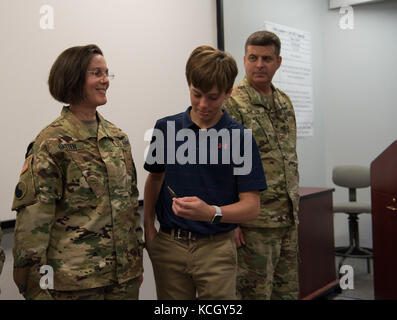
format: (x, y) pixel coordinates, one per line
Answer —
(107, 150)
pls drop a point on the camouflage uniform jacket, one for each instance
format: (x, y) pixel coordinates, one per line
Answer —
(274, 130)
(2, 256)
(76, 203)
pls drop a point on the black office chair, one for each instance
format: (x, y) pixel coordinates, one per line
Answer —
(352, 177)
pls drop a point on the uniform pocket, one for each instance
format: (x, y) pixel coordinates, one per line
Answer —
(130, 168)
(85, 176)
(262, 137)
(129, 163)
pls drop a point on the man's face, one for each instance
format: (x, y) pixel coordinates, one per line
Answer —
(207, 107)
(261, 63)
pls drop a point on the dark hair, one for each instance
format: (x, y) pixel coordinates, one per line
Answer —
(68, 73)
(264, 38)
(208, 67)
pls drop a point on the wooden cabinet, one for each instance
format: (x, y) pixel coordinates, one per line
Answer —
(384, 222)
(317, 274)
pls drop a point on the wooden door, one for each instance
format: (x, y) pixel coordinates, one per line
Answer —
(384, 222)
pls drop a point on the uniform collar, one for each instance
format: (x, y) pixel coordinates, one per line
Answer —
(256, 98)
(103, 127)
(79, 129)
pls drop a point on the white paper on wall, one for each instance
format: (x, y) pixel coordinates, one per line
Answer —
(295, 74)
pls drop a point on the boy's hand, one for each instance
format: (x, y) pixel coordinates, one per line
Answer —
(193, 208)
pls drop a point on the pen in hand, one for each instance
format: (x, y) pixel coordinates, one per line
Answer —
(172, 193)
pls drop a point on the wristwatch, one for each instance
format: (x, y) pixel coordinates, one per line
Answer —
(217, 216)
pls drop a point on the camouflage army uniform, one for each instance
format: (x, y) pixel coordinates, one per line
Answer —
(2, 256)
(268, 261)
(77, 209)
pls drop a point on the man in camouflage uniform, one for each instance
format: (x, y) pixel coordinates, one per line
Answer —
(268, 245)
(76, 199)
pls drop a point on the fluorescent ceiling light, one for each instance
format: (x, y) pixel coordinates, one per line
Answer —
(333, 4)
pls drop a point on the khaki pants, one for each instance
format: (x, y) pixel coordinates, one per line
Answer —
(183, 268)
(126, 291)
(268, 264)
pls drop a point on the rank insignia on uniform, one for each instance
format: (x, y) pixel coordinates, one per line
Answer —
(25, 165)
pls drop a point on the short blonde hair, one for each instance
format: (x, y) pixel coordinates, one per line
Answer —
(208, 67)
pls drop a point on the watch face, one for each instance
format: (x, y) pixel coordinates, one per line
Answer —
(217, 219)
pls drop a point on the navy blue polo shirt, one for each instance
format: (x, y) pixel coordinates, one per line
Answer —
(212, 164)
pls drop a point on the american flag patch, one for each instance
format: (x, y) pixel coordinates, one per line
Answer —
(25, 165)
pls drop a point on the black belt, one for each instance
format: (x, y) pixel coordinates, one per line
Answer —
(181, 234)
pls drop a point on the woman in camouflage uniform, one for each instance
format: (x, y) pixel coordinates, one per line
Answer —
(76, 199)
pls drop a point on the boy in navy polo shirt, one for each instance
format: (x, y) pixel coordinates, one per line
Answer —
(205, 175)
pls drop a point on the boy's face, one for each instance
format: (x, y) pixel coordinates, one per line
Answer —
(207, 107)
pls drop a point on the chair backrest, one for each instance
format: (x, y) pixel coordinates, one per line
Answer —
(351, 177)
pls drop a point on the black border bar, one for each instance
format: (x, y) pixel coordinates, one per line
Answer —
(220, 25)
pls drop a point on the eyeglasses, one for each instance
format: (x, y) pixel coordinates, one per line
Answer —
(100, 74)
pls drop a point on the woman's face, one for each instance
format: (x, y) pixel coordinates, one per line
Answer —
(96, 82)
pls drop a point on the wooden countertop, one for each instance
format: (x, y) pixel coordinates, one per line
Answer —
(306, 192)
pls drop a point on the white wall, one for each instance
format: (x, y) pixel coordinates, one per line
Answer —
(146, 44)
(359, 96)
(245, 17)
